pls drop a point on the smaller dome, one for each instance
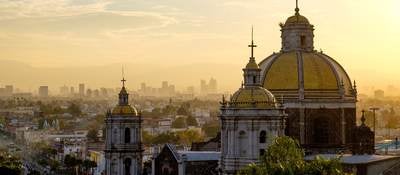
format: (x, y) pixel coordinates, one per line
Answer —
(252, 65)
(124, 110)
(253, 97)
(297, 19)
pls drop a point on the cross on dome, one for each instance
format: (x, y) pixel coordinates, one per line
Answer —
(252, 45)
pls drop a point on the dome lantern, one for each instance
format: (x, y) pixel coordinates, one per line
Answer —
(297, 33)
(252, 72)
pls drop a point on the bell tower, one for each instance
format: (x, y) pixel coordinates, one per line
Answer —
(123, 148)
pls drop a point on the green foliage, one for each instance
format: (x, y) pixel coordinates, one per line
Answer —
(92, 135)
(189, 136)
(164, 138)
(191, 121)
(9, 164)
(324, 166)
(179, 123)
(182, 137)
(88, 164)
(74, 109)
(285, 157)
(147, 137)
(211, 129)
(184, 109)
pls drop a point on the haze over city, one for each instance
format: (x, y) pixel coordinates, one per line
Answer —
(57, 42)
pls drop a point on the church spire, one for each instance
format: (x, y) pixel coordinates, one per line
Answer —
(252, 45)
(252, 70)
(297, 7)
(123, 94)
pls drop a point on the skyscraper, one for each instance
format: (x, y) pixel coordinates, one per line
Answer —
(9, 89)
(81, 89)
(43, 91)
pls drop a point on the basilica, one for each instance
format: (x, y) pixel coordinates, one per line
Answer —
(298, 92)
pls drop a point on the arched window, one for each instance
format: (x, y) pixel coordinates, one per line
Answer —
(127, 135)
(115, 136)
(303, 41)
(114, 169)
(242, 143)
(127, 166)
(263, 137)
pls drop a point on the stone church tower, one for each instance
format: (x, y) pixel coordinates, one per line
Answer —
(250, 121)
(123, 150)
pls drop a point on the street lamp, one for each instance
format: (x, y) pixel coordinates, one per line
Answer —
(374, 109)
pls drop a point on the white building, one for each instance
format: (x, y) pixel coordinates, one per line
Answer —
(123, 151)
(250, 121)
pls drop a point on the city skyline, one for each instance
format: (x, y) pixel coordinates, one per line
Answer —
(58, 49)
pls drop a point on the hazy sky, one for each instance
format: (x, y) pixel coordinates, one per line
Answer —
(362, 35)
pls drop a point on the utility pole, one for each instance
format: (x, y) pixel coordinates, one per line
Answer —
(374, 109)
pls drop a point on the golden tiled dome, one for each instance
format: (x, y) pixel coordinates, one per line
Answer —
(310, 71)
(124, 110)
(253, 97)
(297, 19)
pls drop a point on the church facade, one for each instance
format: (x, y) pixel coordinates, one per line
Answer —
(123, 147)
(250, 121)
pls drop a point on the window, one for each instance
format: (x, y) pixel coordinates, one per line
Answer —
(263, 137)
(127, 135)
(254, 79)
(242, 143)
(262, 152)
(127, 166)
(303, 41)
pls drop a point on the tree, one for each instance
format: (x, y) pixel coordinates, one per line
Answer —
(183, 109)
(147, 137)
(92, 135)
(164, 138)
(179, 123)
(9, 164)
(189, 136)
(191, 121)
(211, 129)
(285, 157)
(88, 165)
(74, 109)
(72, 162)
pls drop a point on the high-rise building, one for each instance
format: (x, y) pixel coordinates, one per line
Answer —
(72, 90)
(89, 93)
(43, 91)
(123, 147)
(9, 90)
(212, 86)
(64, 90)
(203, 87)
(379, 94)
(81, 89)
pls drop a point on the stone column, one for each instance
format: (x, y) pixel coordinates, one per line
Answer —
(343, 119)
(302, 125)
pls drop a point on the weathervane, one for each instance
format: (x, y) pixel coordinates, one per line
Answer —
(297, 7)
